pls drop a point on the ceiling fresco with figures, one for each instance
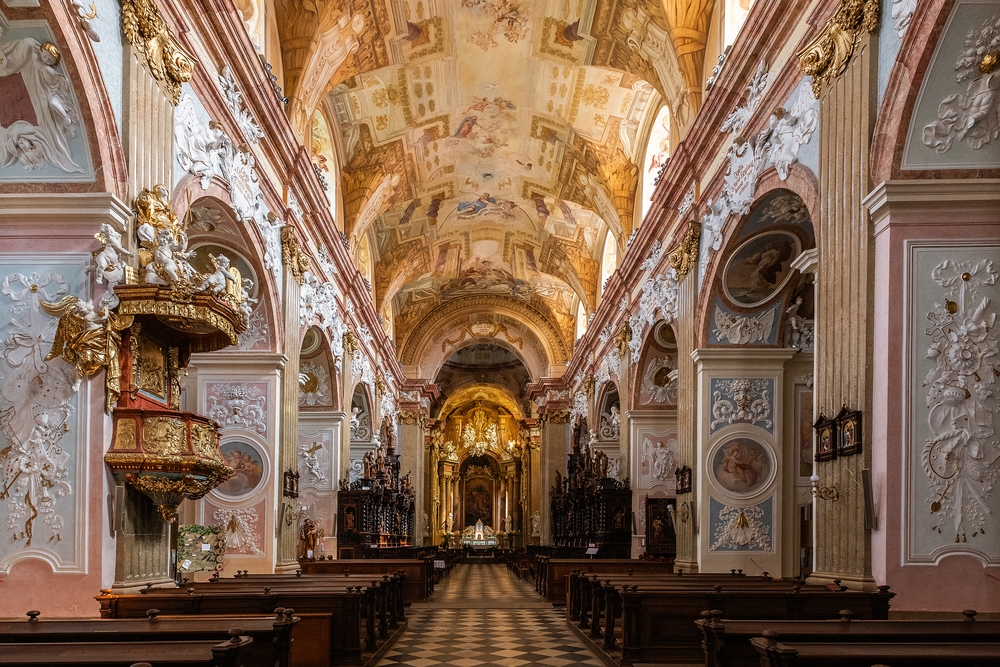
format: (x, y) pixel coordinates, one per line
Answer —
(489, 146)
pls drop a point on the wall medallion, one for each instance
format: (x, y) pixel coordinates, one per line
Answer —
(759, 268)
(250, 465)
(742, 466)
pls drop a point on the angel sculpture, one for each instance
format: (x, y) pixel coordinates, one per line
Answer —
(107, 260)
(217, 282)
(87, 340)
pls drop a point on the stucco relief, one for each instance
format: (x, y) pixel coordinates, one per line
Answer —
(659, 294)
(256, 331)
(318, 303)
(244, 535)
(741, 528)
(201, 148)
(234, 100)
(314, 460)
(743, 329)
(951, 452)
(972, 116)
(361, 369)
(38, 406)
(659, 382)
(791, 130)
(314, 384)
(658, 460)
(43, 132)
(901, 13)
(742, 401)
(961, 457)
(238, 404)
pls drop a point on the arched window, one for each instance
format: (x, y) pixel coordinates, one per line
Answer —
(609, 260)
(322, 155)
(735, 15)
(581, 321)
(657, 152)
(365, 261)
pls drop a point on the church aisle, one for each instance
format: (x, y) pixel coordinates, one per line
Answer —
(482, 615)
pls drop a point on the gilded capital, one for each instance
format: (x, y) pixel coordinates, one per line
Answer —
(589, 383)
(622, 339)
(684, 256)
(826, 57)
(350, 343)
(294, 257)
(167, 61)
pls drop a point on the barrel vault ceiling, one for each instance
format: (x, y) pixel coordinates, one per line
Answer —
(488, 146)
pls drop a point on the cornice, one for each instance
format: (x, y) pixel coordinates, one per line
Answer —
(84, 211)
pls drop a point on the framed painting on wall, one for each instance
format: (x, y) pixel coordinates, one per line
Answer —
(661, 538)
(849, 432)
(826, 438)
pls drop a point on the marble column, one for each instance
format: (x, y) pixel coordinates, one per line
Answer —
(288, 418)
(411, 449)
(844, 308)
(554, 450)
(687, 425)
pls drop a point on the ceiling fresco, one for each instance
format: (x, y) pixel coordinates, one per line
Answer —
(490, 146)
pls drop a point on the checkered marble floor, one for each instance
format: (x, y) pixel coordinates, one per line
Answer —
(482, 615)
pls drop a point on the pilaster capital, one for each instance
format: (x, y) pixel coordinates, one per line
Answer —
(826, 57)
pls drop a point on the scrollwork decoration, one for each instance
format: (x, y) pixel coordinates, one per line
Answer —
(145, 29)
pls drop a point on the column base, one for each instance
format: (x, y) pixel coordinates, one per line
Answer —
(690, 566)
(286, 568)
(119, 588)
(853, 582)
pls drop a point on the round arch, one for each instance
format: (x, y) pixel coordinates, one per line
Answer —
(449, 327)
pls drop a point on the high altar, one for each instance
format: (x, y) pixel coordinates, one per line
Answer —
(479, 537)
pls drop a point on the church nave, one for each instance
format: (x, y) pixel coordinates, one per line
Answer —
(482, 615)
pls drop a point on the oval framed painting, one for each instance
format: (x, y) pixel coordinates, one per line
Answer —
(250, 465)
(742, 466)
(759, 268)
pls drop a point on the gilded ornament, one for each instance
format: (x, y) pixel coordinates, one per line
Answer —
(125, 434)
(623, 338)
(295, 258)
(684, 257)
(589, 383)
(827, 56)
(88, 341)
(164, 436)
(205, 440)
(144, 28)
(350, 343)
(381, 386)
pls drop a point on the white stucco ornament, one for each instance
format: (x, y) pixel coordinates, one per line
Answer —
(972, 116)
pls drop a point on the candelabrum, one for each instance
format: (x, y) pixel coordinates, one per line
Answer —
(824, 492)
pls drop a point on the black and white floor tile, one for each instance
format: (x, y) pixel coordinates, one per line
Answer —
(482, 615)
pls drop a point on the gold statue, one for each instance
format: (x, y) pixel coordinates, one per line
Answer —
(88, 341)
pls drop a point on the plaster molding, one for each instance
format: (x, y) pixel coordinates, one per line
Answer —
(83, 212)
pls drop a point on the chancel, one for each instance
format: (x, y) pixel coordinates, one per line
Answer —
(500, 332)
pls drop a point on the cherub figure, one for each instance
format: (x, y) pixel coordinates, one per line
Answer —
(217, 282)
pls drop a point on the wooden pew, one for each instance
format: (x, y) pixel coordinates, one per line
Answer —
(386, 593)
(849, 654)
(331, 620)
(553, 577)
(727, 641)
(419, 574)
(181, 653)
(658, 625)
(271, 635)
(586, 591)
